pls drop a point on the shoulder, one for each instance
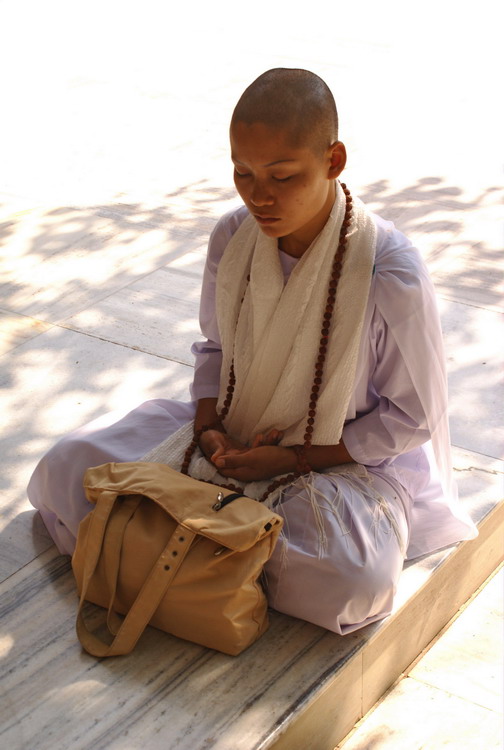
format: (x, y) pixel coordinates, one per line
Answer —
(227, 226)
(394, 251)
(402, 281)
(396, 257)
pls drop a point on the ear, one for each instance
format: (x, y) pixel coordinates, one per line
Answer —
(337, 158)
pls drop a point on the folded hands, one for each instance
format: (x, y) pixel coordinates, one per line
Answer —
(262, 459)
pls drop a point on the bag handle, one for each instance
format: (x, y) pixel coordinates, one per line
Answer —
(149, 597)
(111, 552)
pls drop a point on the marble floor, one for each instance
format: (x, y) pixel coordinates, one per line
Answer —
(114, 169)
(451, 697)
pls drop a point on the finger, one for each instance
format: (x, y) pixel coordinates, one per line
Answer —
(220, 451)
(273, 437)
(222, 459)
(258, 440)
(231, 461)
(220, 456)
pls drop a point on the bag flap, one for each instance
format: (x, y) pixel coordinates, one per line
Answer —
(238, 525)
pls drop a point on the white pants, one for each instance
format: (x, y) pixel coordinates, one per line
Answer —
(342, 583)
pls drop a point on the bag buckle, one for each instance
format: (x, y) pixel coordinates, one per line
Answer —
(222, 501)
(218, 504)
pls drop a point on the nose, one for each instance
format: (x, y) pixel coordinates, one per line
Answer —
(260, 195)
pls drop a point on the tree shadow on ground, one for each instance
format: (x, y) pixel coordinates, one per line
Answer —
(61, 261)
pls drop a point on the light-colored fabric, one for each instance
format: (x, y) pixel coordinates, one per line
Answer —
(398, 398)
(56, 486)
(386, 428)
(339, 558)
(265, 324)
(271, 331)
(171, 452)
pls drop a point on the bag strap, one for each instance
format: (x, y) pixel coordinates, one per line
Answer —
(111, 552)
(149, 597)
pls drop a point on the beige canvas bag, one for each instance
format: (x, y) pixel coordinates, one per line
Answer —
(180, 554)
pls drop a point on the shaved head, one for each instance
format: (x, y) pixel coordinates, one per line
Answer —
(293, 100)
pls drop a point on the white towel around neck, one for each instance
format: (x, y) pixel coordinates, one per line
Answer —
(273, 335)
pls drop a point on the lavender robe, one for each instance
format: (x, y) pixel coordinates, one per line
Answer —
(350, 582)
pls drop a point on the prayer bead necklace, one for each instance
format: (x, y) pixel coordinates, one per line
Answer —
(303, 466)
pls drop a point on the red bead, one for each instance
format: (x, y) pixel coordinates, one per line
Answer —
(312, 413)
(309, 429)
(310, 420)
(315, 389)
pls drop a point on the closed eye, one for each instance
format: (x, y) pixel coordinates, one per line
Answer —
(276, 179)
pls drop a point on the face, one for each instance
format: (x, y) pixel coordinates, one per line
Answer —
(288, 190)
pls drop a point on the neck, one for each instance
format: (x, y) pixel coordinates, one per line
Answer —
(290, 246)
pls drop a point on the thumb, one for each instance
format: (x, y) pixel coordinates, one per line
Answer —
(229, 461)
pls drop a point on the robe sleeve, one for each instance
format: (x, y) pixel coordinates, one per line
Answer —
(397, 424)
(208, 353)
(407, 385)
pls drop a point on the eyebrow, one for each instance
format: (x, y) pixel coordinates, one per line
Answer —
(271, 164)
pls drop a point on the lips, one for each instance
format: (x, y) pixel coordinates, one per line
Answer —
(265, 219)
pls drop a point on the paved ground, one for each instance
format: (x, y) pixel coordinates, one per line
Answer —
(114, 167)
(451, 698)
